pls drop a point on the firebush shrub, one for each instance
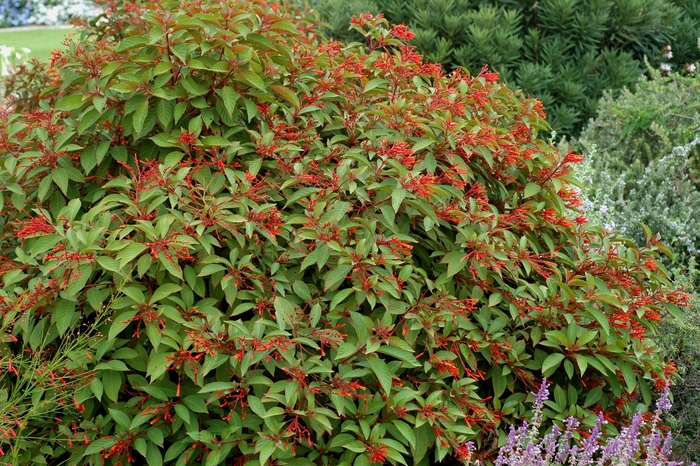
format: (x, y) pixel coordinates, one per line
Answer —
(225, 242)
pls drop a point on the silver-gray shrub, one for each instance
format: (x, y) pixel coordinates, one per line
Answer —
(663, 196)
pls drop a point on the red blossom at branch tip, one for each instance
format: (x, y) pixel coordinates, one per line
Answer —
(401, 31)
(32, 227)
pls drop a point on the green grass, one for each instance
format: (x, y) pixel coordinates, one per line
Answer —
(40, 41)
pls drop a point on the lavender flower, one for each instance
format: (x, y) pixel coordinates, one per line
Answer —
(590, 446)
(524, 448)
(664, 402)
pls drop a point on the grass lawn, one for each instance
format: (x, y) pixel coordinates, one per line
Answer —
(40, 41)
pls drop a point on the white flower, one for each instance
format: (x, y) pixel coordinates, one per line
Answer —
(603, 209)
(691, 67)
(665, 67)
(668, 55)
(5, 51)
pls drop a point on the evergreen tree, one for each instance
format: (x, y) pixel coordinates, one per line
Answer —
(564, 52)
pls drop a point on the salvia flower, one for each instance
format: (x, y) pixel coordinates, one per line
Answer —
(558, 447)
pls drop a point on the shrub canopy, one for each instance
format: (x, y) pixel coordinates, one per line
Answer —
(224, 240)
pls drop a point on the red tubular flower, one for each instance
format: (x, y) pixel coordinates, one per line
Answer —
(401, 31)
(187, 138)
(489, 76)
(377, 454)
(571, 157)
(32, 227)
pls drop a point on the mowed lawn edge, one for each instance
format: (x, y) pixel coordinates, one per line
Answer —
(40, 40)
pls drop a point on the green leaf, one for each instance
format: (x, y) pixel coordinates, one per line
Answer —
(196, 404)
(112, 383)
(287, 94)
(531, 189)
(300, 194)
(373, 84)
(60, 177)
(356, 446)
(88, 119)
(406, 431)
(601, 318)
(381, 370)
(155, 435)
(455, 261)
(63, 315)
(422, 144)
(131, 42)
(400, 354)
(340, 296)
(674, 311)
(119, 323)
(70, 102)
(98, 446)
(551, 362)
(593, 397)
(153, 456)
(108, 263)
(163, 291)
(42, 244)
(120, 418)
(124, 87)
(252, 78)
(397, 197)
(229, 98)
(256, 405)
(164, 113)
(214, 457)
(582, 363)
(140, 116)
(165, 140)
(335, 277)
(114, 365)
(217, 387)
(499, 381)
(284, 311)
(267, 448)
(628, 375)
(130, 252)
(214, 141)
(424, 438)
(183, 413)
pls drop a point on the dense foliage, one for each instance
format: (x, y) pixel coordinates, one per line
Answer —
(225, 242)
(642, 166)
(564, 52)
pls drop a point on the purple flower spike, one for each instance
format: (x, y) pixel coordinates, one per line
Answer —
(543, 393)
(524, 447)
(664, 403)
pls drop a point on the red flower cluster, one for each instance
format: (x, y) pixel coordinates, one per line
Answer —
(401, 31)
(34, 226)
